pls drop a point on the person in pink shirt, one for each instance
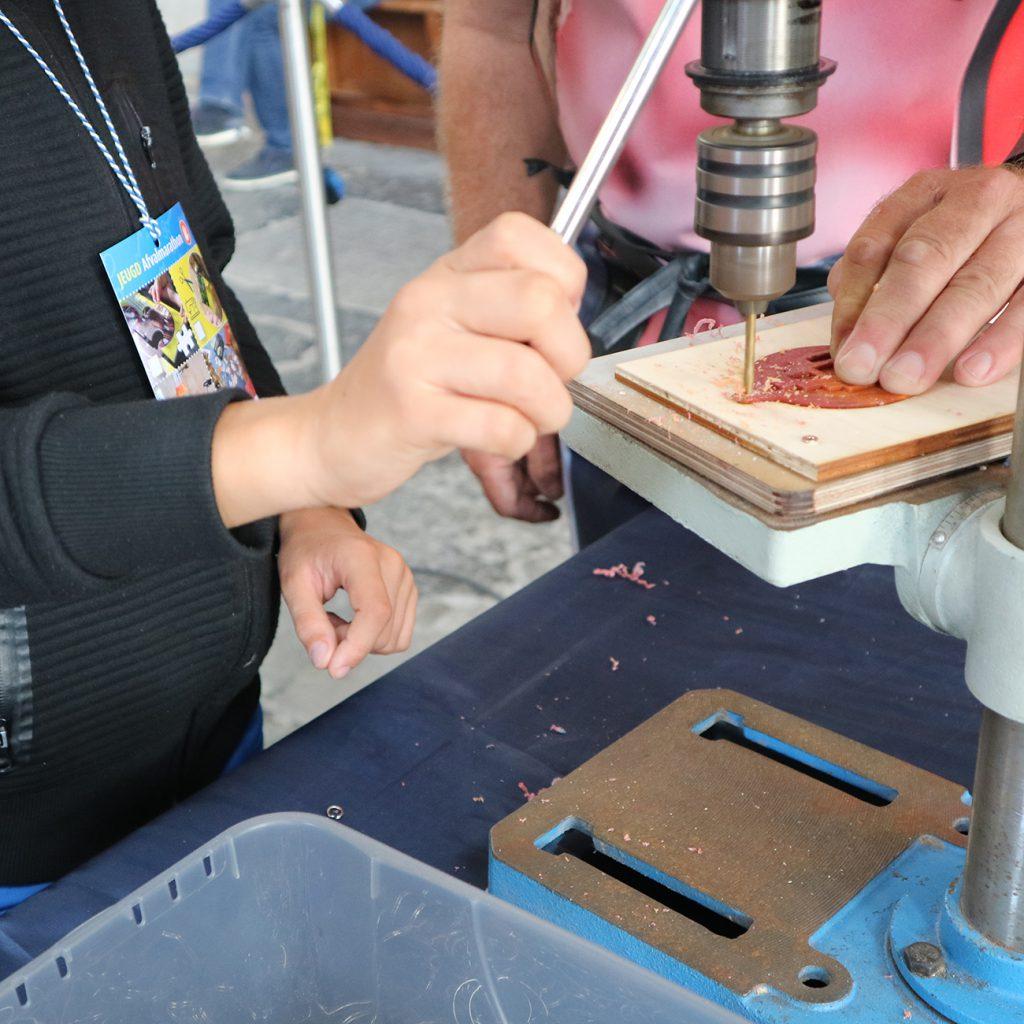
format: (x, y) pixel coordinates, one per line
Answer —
(926, 93)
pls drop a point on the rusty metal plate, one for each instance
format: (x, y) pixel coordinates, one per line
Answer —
(770, 823)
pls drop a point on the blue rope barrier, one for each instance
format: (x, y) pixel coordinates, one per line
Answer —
(213, 26)
(385, 45)
(352, 16)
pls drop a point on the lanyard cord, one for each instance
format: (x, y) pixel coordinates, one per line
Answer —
(123, 170)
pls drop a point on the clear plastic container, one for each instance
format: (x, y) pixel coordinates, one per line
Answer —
(291, 919)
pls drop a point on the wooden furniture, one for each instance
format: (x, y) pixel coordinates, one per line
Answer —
(372, 101)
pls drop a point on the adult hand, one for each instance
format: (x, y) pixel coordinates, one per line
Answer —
(920, 280)
(525, 489)
(324, 551)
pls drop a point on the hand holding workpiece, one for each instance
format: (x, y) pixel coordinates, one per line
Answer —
(920, 280)
(472, 354)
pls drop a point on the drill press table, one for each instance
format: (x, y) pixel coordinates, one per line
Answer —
(470, 717)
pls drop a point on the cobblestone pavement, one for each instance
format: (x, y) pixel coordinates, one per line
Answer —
(390, 226)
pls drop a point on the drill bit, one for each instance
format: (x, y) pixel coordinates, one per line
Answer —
(749, 353)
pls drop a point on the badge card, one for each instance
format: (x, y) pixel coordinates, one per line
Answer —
(176, 320)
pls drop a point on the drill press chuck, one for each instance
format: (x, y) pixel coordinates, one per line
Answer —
(760, 62)
(755, 200)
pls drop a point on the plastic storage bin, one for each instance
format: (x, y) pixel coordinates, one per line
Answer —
(290, 919)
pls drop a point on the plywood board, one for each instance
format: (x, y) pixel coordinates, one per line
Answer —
(781, 497)
(702, 381)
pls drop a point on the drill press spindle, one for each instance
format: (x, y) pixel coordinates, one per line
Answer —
(759, 63)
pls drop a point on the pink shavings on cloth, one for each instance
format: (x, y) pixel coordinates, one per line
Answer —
(615, 664)
(652, 620)
(634, 575)
(525, 790)
(557, 729)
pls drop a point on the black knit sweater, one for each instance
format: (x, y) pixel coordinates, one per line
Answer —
(134, 622)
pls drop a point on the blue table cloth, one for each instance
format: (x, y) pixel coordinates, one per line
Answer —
(431, 756)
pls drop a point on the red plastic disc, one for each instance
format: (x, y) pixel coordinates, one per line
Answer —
(805, 376)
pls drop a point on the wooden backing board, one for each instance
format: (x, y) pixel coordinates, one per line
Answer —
(786, 497)
(702, 381)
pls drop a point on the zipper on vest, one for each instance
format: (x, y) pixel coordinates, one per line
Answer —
(6, 760)
(145, 141)
(146, 135)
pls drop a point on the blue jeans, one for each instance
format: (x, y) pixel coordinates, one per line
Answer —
(247, 58)
(248, 747)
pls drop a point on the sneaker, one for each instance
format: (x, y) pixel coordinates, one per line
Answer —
(269, 168)
(218, 126)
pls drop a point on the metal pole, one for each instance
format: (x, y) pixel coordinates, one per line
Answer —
(993, 889)
(993, 892)
(305, 135)
(582, 194)
(1013, 517)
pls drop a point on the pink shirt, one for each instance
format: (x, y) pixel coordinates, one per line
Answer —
(888, 111)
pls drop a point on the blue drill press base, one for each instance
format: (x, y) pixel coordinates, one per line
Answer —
(909, 902)
(978, 982)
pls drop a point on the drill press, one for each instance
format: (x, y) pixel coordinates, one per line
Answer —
(780, 870)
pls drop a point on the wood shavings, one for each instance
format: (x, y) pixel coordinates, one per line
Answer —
(559, 729)
(615, 663)
(622, 571)
(696, 849)
(525, 790)
(706, 324)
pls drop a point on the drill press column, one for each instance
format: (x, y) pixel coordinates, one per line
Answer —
(759, 63)
(993, 888)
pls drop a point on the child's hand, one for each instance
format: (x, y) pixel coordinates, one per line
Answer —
(323, 551)
(472, 354)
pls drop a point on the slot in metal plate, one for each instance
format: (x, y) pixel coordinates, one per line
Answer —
(783, 849)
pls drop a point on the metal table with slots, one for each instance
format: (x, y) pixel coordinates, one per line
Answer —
(430, 757)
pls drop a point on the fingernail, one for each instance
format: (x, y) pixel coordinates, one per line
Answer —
(857, 364)
(978, 366)
(341, 671)
(839, 339)
(903, 373)
(318, 654)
